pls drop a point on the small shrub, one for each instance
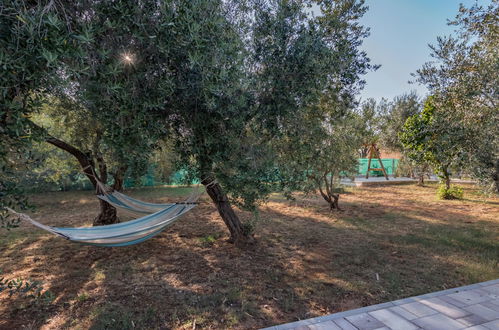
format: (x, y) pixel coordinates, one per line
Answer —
(454, 192)
(208, 240)
(82, 297)
(28, 289)
(249, 228)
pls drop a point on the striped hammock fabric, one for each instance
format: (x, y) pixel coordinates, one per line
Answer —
(131, 205)
(135, 206)
(120, 234)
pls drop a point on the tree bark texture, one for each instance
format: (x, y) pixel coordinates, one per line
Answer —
(237, 234)
(495, 177)
(107, 215)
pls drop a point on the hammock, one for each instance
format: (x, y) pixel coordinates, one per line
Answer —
(135, 206)
(132, 205)
(119, 234)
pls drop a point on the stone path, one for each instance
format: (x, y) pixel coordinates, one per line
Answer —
(472, 307)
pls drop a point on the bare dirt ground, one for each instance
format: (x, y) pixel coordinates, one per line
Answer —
(388, 243)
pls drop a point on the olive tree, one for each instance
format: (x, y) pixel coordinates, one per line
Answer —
(429, 136)
(308, 73)
(464, 80)
(392, 122)
(218, 79)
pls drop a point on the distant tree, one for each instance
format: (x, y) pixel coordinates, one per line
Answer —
(464, 80)
(394, 117)
(320, 154)
(430, 137)
(392, 121)
(371, 113)
(163, 160)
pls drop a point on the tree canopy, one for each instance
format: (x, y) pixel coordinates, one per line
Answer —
(220, 80)
(463, 80)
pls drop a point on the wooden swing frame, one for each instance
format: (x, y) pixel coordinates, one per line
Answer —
(374, 151)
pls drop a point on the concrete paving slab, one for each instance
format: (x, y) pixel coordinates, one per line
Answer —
(438, 322)
(364, 321)
(445, 308)
(483, 311)
(392, 320)
(419, 309)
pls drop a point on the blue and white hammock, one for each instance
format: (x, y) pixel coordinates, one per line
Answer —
(125, 233)
(132, 205)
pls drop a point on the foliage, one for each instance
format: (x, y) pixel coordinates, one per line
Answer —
(220, 80)
(464, 78)
(384, 120)
(430, 137)
(310, 73)
(373, 114)
(32, 290)
(163, 160)
(32, 40)
(453, 192)
(393, 117)
(320, 155)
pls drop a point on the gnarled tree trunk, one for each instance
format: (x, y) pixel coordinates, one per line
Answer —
(328, 195)
(108, 214)
(421, 180)
(237, 234)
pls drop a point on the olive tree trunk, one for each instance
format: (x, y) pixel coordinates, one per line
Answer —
(421, 180)
(238, 235)
(328, 193)
(495, 177)
(446, 177)
(107, 214)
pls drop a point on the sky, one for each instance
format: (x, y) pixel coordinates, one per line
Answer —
(400, 33)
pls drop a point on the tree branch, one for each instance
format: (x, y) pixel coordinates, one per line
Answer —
(85, 163)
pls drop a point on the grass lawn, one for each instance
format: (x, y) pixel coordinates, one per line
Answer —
(389, 242)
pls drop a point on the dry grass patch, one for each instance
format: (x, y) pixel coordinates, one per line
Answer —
(307, 262)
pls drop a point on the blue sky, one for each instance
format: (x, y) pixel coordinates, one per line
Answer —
(400, 33)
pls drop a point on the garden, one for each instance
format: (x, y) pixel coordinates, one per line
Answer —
(212, 164)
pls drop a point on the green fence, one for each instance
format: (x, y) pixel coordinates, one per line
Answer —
(178, 178)
(390, 165)
(150, 179)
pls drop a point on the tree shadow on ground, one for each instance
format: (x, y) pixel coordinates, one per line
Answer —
(307, 262)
